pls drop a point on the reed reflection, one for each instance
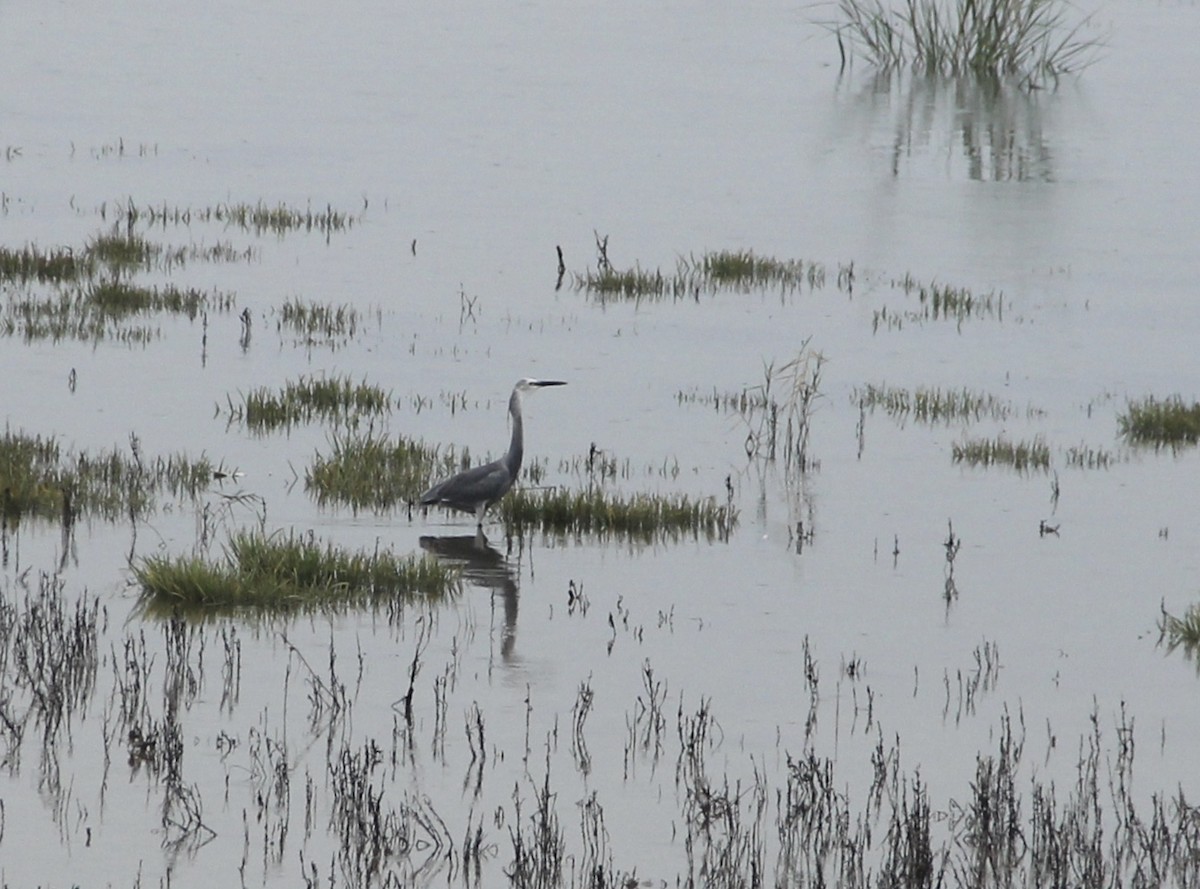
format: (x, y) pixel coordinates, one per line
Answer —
(989, 129)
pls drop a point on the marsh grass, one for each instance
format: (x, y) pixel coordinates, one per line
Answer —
(369, 471)
(50, 654)
(287, 572)
(122, 253)
(1181, 632)
(944, 301)
(39, 480)
(631, 283)
(32, 263)
(117, 300)
(335, 399)
(257, 218)
(938, 302)
(1032, 41)
(1083, 457)
(644, 517)
(932, 405)
(777, 412)
(1020, 455)
(712, 272)
(311, 320)
(92, 295)
(103, 310)
(1166, 423)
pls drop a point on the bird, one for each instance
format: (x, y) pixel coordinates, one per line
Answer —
(477, 488)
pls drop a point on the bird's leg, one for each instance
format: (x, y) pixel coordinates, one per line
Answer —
(479, 511)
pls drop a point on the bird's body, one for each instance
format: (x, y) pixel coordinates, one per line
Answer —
(477, 488)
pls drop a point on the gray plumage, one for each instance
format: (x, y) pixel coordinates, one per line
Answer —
(477, 488)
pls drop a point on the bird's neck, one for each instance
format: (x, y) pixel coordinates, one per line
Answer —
(516, 447)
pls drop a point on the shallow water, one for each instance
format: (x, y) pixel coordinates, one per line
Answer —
(467, 145)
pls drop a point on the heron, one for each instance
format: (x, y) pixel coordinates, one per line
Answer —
(477, 488)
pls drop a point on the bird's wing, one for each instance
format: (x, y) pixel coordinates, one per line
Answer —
(479, 484)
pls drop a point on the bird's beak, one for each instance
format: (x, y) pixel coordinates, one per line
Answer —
(547, 382)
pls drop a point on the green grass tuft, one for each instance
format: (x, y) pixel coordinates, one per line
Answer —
(1182, 632)
(31, 263)
(38, 480)
(645, 517)
(721, 270)
(313, 320)
(287, 573)
(932, 405)
(1021, 455)
(374, 472)
(1030, 40)
(1169, 422)
(328, 399)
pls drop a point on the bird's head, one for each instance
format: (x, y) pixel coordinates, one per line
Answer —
(527, 384)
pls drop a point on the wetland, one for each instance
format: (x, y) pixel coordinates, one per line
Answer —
(861, 549)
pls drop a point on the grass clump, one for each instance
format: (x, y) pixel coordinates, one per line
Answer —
(740, 270)
(102, 310)
(746, 269)
(333, 398)
(38, 480)
(1181, 632)
(1169, 422)
(634, 283)
(30, 263)
(641, 517)
(932, 405)
(943, 301)
(773, 423)
(373, 472)
(1020, 455)
(1083, 457)
(280, 572)
(312, 320)
(1030, 40)
(117, 299)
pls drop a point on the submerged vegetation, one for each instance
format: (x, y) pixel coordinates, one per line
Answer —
(1182, 632)
(329, 399)
(594, 511)
(373, 471)
(732, 270)
(942, 302)
(369, 471)
(1167, 423)
(777, 423)
(313, 321)
(39, 480)
(1020, 455)
(256, 218)
(932, 405)
(1029, 40)
(289, 572)
(92, 296)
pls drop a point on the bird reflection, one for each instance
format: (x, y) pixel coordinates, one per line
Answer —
(483, 566)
